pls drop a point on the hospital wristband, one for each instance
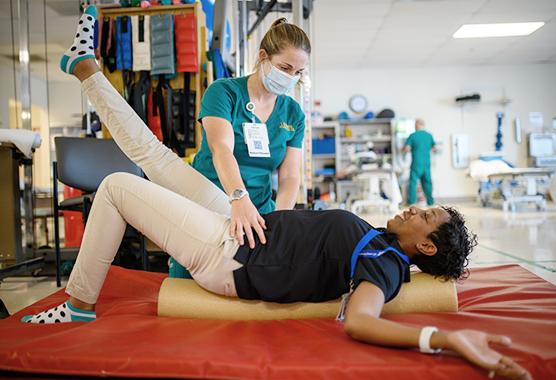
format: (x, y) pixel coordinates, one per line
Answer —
(425, 339)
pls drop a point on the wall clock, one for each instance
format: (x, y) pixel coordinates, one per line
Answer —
(358, 103)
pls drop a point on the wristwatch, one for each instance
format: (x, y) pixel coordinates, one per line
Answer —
(238, 194)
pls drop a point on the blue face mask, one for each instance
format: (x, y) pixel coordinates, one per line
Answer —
(278, 82)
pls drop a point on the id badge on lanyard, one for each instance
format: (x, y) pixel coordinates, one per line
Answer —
(256, 137)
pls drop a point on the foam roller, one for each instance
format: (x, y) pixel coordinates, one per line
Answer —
(183, 298)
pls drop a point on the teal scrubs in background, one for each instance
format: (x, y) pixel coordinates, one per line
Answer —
(421, 143)
(227, 99)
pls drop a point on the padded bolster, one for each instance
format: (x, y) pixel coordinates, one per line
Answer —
(186, 43)
(183, 298)
(162, 44)
(141, 39)
(123, 43)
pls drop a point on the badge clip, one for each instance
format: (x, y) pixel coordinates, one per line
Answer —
(251, 108)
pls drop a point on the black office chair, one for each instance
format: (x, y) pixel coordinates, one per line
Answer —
(82, 163)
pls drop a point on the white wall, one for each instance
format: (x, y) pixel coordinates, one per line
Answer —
(430, 93)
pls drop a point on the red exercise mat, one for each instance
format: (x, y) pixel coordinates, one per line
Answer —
(130, 340)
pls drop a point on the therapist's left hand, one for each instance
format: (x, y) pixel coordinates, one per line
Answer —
(244, 219)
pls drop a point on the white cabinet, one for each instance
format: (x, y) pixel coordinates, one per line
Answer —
(349, 137)
(361, 136)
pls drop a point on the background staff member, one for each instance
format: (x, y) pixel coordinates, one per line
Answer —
(251, 128)
(421, 143)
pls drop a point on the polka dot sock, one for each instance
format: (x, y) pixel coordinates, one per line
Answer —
(83, 45)
(63, 313)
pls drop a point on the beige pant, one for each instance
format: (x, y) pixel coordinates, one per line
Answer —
(179, 210)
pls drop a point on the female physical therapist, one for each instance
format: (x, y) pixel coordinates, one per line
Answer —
(251, 128)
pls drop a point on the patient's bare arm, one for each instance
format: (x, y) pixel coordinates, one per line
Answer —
(362, 322)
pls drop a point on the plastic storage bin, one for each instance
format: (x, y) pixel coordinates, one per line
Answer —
(326, 145)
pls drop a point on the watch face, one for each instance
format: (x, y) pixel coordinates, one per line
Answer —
(358, 103)
(237, 193)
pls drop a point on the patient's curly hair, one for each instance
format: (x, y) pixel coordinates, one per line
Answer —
(454, 243)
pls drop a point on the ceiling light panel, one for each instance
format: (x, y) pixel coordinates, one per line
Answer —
(497, 30)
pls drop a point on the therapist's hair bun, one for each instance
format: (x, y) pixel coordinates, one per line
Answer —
(281, 20)
(282, 34)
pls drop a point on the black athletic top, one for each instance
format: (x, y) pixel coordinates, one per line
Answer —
(307, 258)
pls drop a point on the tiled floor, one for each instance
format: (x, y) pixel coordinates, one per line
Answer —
(526, 237)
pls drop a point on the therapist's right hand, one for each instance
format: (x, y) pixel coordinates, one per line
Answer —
(245, 219)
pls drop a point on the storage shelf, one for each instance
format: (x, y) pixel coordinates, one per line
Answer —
(378, 131)
(326, 124)
(323, 178)
(324, 156)
(366, 121)
(347, 157)
(355, 140)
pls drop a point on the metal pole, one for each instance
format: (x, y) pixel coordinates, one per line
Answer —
(23, 8)
(237, 20)
(303, 96)
(89, 130)
(262, 15)
(245, 41)
(241, 8)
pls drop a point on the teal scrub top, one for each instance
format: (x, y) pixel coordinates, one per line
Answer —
(421, 143)
(227, 98)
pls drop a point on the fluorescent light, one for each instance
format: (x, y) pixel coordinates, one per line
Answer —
(497, 30)
(24, 56)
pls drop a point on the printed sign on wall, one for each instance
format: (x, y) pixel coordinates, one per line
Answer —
(460, 150)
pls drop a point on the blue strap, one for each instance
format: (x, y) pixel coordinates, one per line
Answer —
(359, 247)
(371, 253)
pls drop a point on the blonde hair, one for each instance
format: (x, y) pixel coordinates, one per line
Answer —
(281, 34)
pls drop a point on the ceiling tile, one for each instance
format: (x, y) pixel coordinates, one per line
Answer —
(423, 30)
(361, 33)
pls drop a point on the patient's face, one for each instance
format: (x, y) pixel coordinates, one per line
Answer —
(416, 224)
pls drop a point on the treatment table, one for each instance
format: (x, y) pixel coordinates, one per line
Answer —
(372, 184)
(517, 186)
(500, 183)
(16, 148)
(129, 340)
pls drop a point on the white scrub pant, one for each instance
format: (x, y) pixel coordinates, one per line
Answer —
(179, 210)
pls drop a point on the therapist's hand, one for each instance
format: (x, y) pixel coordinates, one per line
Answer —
(246, 217)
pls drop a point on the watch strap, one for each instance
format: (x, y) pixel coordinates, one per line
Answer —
(238, 194)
